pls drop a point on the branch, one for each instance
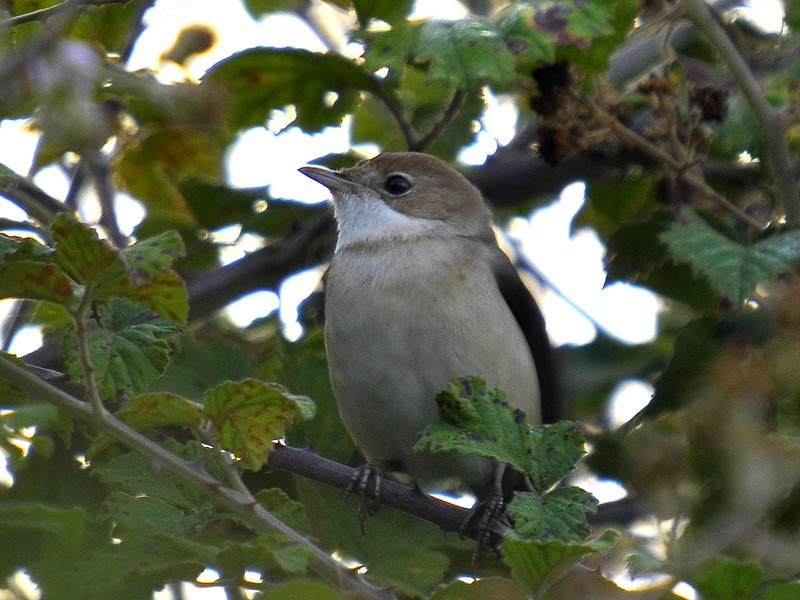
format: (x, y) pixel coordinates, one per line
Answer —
(439, 126)
(380, 91)
(101, 174)
(262, 269)
(679, 167)
(254, 513)
(44, 14)
(305, 463)
(771, 121)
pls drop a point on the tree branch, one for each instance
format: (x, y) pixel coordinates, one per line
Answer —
(771, 121)
(43, 14)
(198, 478)
(441, 124)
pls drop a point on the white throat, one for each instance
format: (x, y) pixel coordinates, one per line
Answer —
(371, 220)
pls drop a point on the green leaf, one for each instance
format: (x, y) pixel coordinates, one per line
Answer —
(735, 269)
(477, 419)
(538, 565)
(260, 80)
(165, 293)
(461, 54)
(27, 415)
(160, 409)
(86, 258)
(256, 8)
(614, 203)
(789, 590)
(722, 578)
(126, 354)
(248, 415)
(35, 281)
(560, 514)
(390, 11)
(496, 588)
(288, 511)
(147, 258)
(302, 588)
(268, 552)
(48, 524)
(632, 255)
(133, 474)
(555, 452)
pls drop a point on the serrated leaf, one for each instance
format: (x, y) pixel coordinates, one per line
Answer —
(555, 450)
(280, 505)
(17, 248)
(538, 565)
(560, 514)
(160, 409)
(473, 51)
(477, 419)
(126, 355)
(131, 473)
(86, 258)
(722, 578)
(152, 255)
(260, 80)
(248, 415)
(35, 281)
(734, 269)
(461, 54)
(271, 553)
(165, 293)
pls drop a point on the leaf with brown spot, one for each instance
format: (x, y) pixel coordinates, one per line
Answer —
(160, 409)
(35, 281)
(88, 259)
(248, 415)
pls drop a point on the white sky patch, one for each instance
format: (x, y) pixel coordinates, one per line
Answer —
(18, 145)
(574, 264)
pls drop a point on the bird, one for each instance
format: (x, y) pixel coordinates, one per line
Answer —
(418, 292)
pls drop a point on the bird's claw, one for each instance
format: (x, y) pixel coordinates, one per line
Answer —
(370, 473)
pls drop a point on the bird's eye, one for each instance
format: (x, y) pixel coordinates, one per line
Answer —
(397, 185)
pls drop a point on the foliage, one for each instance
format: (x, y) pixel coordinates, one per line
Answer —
(135, 450)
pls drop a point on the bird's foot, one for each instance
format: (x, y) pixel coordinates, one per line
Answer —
(367, 482)
(488, 519)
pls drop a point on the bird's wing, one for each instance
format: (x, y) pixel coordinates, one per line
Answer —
(531, 322)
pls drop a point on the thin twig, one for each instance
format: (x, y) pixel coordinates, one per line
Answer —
(441, 124)
(81, 317)
(198, 478)
(637, 141)
(391, 103)
(101, 174)
(43, 14)
(770, 120)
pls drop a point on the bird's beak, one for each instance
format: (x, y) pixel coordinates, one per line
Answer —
(330, 179)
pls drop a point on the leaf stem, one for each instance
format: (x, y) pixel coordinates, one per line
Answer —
(643, 144)
(770, 120)
(439, 126)
(162, 458)
(379, 89)
(81, 319)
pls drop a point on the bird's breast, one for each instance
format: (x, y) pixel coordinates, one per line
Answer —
(401, 322)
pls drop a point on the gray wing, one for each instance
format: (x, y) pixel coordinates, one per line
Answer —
(531, 322)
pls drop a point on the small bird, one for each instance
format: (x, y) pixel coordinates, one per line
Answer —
(417, 294)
